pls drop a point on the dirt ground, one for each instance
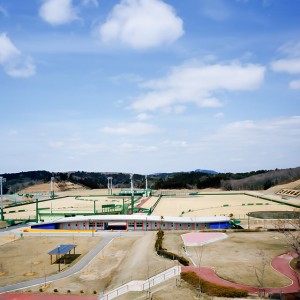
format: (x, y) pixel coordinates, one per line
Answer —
(26, 258)
(133, 258)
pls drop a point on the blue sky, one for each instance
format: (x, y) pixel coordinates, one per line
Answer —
(148, 86)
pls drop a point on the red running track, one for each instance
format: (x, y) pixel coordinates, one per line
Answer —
(143, 202)
(280, 263)
(45, 297)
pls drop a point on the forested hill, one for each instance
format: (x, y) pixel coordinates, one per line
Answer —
(255, 180)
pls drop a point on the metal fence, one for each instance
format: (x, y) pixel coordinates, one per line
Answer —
(141, 285)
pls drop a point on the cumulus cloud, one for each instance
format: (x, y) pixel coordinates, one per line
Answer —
(289, 65)
(133, 129)
(197, 84)
(14, 63)
(58, 12)
(142, 24)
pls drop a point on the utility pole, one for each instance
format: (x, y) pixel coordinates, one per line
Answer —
(146, 187)
(1, 191)
(132, 193)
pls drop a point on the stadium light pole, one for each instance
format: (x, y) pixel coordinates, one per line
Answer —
(109, 185)
(132, 193)
(146, 187)
(52, 188)
(2, 179)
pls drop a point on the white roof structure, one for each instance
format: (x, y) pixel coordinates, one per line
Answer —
(140, 217)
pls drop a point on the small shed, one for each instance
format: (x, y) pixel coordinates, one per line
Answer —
(61, 252)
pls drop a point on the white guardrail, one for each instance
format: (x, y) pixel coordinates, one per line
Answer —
(141, 285)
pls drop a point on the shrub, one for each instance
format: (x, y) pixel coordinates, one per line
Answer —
(41, 290)
(94, 292)
(162, 252)
(212, 289)
(174, 256)
(55, 290)
(81, 292)
(68, 291)
(159, 239)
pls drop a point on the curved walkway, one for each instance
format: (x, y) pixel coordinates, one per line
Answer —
(68, 272)
(280, 263)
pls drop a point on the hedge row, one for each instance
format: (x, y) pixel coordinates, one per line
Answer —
(212, 289)
(163, 252)
(174, 256)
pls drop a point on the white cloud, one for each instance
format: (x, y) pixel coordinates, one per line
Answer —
(8, 51)
(217, 10)
(26, 69)
(219, 115)
(261, 132)
(125, 78)
(197, 84)
(143, 117)
(142, 24)
(295, 84)
(12, 60)
(179, 109)
(291, 49)
(90, 2)
(137, 148)
(133, 129)
(289, 65)
(58, 12)
(3, 11)
(175, 144)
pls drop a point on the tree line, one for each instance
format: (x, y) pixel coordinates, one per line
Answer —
(254, 180)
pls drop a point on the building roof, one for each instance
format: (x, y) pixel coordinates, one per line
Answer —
(140, 217)
(62, 249)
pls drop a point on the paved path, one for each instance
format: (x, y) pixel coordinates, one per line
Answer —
(68, 272)
(280, 263)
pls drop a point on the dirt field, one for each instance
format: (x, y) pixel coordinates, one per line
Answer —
(133, 258)
(22, 259)
(209, 205)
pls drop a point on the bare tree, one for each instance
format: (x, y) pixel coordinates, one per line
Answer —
(261, 268)
(290, 229)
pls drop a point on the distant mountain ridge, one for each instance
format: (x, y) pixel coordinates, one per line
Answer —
(206, 171)
(198, 179)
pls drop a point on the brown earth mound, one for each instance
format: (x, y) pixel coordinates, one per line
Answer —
(58, 187)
